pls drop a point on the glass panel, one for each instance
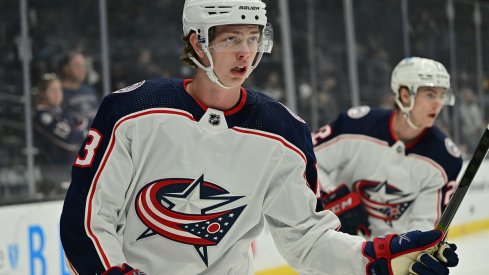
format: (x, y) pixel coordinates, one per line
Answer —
(13, 182)
(66, 80)
(379, 35)
(471, 123)
(429, 30)
(485, 57)
(145, 40)
(333, 91)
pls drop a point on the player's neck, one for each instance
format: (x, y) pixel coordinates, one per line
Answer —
(402, 129)
(211, 95)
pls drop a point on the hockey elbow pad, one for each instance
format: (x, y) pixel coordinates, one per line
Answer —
(349, 209)
(124, 269)
(415, 252)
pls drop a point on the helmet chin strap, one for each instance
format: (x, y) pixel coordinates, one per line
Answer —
(405, 112)
(409, 121)
(210, 69)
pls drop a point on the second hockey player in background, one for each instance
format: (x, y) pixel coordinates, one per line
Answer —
(390, 171)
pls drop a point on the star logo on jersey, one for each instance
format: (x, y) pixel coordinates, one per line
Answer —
(383, 200)
(182, 210)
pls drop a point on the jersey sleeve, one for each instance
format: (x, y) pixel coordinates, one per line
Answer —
(306, 237)
(449, 157)
(303, 235)
(92, 215)
(426, 208)
(451, 184)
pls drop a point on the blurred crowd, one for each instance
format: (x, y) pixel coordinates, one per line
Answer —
(66, 67)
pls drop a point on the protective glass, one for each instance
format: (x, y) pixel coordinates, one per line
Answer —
(237, 42)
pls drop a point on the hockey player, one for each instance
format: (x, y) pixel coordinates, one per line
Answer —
(179, 176)
(400, 168)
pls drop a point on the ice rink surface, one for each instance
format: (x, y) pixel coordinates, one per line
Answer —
(473, 251)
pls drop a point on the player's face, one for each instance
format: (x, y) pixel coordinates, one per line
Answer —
(428, 103)
(233, 50)
(54, 93)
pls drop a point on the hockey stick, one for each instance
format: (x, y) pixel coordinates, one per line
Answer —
(464, 183)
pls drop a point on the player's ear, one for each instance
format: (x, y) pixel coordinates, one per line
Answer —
(194, 41)
(404, 96)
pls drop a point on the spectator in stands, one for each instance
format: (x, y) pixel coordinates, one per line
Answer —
(58, 135)
(80, 99)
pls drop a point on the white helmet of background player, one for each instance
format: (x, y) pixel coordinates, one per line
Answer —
(201, 15)
(416, 72)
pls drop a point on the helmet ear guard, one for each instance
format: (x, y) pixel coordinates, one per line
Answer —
(201, 15)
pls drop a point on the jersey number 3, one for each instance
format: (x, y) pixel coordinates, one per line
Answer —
(93, 141)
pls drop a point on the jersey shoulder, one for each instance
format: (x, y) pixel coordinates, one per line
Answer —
(361, 120)
(141, 96)
(438, 146)
(147, 94)
(275, 117)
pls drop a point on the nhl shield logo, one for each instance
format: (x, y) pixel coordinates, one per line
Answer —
(214, 119)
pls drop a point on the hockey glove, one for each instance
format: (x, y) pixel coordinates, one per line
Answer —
(125, 269)
(414, 252)
(349, 209)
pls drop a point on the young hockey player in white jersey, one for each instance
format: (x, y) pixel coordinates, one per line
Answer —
(400, 167)
(179, 176)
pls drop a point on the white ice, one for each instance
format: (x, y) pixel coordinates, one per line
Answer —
(473, 252)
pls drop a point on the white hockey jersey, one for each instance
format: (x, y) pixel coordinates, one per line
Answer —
(170, 186)
(403, 186)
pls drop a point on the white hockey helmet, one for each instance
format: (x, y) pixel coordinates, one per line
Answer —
(201, 15)
(416, 72)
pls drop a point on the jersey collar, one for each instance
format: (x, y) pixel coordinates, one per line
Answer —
(395, 138)
(241, 102)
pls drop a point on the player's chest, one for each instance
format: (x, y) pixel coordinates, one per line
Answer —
(392, 166)
(233, 159)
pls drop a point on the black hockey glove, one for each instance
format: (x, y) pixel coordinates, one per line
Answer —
(414, 252)
(349, 209)
(125, 269)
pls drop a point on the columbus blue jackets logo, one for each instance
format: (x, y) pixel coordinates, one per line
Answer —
(383, 200)
(182, 210)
